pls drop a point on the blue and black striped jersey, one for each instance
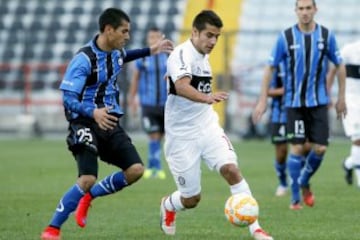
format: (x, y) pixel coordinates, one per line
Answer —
(306, 56)
(152, 88)
(92, 76)
(278, 110)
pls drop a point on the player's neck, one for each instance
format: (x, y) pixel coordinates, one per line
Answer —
(306, 28)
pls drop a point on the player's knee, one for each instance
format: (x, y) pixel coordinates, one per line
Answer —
(134, 173)
(86, 182)
(191, 202)
(320, 149)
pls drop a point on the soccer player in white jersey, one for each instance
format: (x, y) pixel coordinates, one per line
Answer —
(192, 130)
(351, 54)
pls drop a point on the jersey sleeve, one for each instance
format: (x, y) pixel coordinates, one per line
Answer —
(76, 74)
(278, 52)
(179, 65)
(333, 50)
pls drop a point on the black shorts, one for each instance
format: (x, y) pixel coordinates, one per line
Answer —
(278, 133)
(308, 123)
(153, 119)
(111, 146)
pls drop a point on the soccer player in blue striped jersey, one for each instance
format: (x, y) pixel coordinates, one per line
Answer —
(306, 47)
(91, 103)
(278, 126)
(148, 83)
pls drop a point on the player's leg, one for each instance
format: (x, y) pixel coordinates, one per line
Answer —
(318, 134)
(183, 157)
(350, 124)
(84, 150)
(355, 161)
(278, 139)
(153, 125)
(219, 154)
(118, 151)
(296, 135)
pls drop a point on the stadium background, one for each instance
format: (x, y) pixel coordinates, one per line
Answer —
(38, 37)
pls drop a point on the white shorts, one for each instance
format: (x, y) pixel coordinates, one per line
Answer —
(184, 158)
(351, 122)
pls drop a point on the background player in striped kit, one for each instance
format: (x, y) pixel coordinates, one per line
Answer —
(306, 48)
(278, 127)
(150, 86)
(351, 55)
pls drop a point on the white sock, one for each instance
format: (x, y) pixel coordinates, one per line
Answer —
(253, 227)
(355, 157)
(348, 163)
(357, 174)
(173, 202)
(241, 187)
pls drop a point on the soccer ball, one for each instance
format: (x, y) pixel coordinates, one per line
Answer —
(241, 209)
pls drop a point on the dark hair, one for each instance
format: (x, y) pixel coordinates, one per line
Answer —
(113, 17)
(206, 16)
(296, 3)
(154, 29)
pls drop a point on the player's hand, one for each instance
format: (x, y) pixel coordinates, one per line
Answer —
(105, 120)
(259, 110)
(340, 108)
(217, 97)
(163, 45)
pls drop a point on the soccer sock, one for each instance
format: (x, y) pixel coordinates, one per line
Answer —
(67, 205)
(173, 202)
(355, 157)
(154, 154)
(110, 184)
(280, 169)
(294, 168)
(312, 164)
(241, 187)
(348, 162)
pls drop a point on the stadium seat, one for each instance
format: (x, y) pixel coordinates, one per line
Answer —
(40, 10)
(21, 10)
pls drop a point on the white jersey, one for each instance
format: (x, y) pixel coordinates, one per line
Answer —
(185, 118)
(351, 56)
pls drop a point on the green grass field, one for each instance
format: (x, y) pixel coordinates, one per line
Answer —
(35, 174)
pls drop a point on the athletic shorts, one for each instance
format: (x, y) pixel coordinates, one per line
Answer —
(310, 123)
(153, 119)
(278, 133)
(111, 146)
(184, 157)
(351, 122)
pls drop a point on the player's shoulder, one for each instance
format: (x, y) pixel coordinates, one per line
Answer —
(182, 51)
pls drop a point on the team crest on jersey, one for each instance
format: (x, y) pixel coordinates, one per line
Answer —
(320, 45)
(120, 61)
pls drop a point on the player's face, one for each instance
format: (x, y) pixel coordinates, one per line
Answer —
(153, 37)
(305, 11)
(117, 38)
(205, 40)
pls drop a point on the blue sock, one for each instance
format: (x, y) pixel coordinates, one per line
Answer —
(110, 184)
(281, 173)
(294, 168)
(67, 205)
(312, 164)
(154, 154)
